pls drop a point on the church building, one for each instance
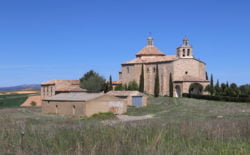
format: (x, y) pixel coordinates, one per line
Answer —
(184, 68)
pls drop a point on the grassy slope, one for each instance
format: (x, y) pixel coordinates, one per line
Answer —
(180, 126)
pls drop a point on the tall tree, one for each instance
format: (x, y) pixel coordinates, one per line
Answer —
(141, 84)
(206, 76)
(92, 81)
(211, 85)
(217, 88)
(157, 83)
(110, 83)
(171, 87)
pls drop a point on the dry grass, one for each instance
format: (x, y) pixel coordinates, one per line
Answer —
(181, 126)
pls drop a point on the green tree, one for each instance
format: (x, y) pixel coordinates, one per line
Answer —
(223, 89)
(211, 89)
(110, 86)
(125, 86)
(141, 84)
(234, 90)
(206, 76)
(244, 90)
(171, 87)
(92, 81)
(157, 83)
(119, 87)
(133, 85)
(106, 87)
(217, 88)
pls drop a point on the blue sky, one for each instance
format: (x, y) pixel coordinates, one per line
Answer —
(42, 40)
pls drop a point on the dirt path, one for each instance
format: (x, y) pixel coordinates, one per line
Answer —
(126, 118)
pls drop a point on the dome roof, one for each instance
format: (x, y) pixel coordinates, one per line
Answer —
(150, 50)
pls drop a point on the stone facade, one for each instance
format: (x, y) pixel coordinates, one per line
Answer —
(81, 107)
(183, 66)
(53, 87)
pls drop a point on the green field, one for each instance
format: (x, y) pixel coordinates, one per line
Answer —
(179, 126)
(13, 100)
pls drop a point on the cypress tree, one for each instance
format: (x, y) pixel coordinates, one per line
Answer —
(141, 84)
(157, 83)
(110, 83)
(212, 85)
(206, 76)
(171, 88)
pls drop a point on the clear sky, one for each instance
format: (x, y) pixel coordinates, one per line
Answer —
(42, 40)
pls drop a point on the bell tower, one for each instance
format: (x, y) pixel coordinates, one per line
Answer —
(185, 50)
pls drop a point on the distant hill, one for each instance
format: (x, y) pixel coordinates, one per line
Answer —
(20, 87)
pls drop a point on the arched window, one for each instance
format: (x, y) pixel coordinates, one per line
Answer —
(147, 70)
(188, 52)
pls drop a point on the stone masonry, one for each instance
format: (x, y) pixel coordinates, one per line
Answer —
(183, 66)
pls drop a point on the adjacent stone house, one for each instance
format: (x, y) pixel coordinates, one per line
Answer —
(53, 87)
(83, 104)
(184, 68)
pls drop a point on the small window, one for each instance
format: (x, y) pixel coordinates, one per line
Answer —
(128, 69)
(56, 106)
(154, 69)
(188, 52)
(186, 72)
(147, 70)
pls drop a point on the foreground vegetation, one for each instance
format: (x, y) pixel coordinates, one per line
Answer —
(179, 126)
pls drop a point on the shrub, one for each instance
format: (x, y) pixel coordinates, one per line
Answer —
(133, 85)
(104, 115)
(33, 104)
(218, 98)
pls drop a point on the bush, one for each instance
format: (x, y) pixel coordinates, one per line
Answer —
(133, 86)
(33, 104)
(218, 98)
(104, 115)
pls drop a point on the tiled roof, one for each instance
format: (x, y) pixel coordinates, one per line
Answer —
(125, 93)
(65, 85)
(152, 60)
(189, 78)
(74, 97)
(60, 81)
(150, 50)
(117, 82)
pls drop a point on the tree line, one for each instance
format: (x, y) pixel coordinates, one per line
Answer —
(227, 89)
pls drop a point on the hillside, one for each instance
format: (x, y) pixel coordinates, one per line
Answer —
(20, 87)
(178, 126)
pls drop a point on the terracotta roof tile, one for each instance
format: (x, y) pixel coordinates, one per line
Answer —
(150, 50)
(152, 60)
(117, 82)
